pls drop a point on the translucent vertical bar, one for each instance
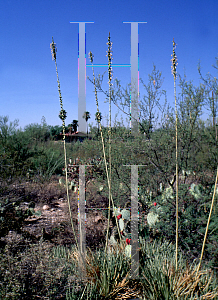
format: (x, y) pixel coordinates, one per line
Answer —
(134, 60)
(134, 222)
(81, 75)
(82, 78)
(134, 77)
(82, 219)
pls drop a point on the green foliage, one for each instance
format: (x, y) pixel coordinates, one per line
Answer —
(12, 216)
(75, 125)
(110, 274)
(159, 155)
(194, 205)
(55, 132)
(27, 152)
(46, 161)
(14, 151)
(86, 116)
(162, 281)
(151, 102)
(36, 133)
(196, 190)
(6, 129)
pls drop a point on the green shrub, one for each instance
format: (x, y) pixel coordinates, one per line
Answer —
(194, 205)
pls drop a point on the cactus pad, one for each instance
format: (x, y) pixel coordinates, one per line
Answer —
(125, 214)
(152, 218)
(128, 250)
(121, 224)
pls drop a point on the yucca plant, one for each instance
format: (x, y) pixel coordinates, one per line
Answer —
(108, 274)
(163, 281)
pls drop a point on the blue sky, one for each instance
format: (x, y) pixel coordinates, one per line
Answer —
(27, 73)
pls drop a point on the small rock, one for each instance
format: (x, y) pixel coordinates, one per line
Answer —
(45, 207)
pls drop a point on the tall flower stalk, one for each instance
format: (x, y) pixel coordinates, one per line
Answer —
(109, 55)
(174, 65)
(63, 116)
(106, 168)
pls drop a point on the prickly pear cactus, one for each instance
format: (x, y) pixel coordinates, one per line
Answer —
(145, 196)
(125, 214)
(167, 194)
(128, 250)
(123, 219)
(121, 224)
(196, 190)
(152, 219)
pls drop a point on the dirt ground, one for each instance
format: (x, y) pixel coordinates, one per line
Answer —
(51, 200)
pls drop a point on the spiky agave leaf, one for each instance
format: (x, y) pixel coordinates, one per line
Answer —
(163, 281)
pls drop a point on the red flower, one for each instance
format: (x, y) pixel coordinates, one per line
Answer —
(128, 241)
(119, 216)
(155, 203)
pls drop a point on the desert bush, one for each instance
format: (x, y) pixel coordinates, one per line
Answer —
(14, 150)
(194, 205)
(55, 132)
(37, 132)
(46, 161)
(33, 273)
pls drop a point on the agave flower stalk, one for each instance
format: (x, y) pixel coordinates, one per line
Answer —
(173, 67)
(109, 55)
(91, 56)
(63, 116)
